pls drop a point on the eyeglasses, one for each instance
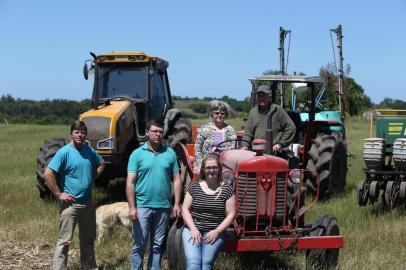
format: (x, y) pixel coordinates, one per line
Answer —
(219, 113)
(156, 131)
(211, 168)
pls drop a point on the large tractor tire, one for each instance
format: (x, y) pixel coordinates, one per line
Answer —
(185, 165)
(323, 259)
(328, 160)
(181, 133)
(174, 247)
(46, 153)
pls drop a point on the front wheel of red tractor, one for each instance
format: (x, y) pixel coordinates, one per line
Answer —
(323, 259)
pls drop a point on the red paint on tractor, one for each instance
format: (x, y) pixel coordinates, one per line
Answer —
(279, 244)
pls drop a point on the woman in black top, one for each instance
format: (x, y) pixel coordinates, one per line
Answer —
(208, 210)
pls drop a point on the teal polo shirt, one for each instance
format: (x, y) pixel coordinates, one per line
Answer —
(154, 175)
(75, 170)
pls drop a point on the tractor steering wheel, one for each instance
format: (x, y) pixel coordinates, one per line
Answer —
(237, 143)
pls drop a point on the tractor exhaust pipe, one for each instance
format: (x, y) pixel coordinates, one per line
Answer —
(269, 134)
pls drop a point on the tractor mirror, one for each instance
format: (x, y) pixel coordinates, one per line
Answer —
(86, 71)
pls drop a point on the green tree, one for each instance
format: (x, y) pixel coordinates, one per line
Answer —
(199, 107)
(271, 72)
(355, 100)
(396, 104)
(58, 111)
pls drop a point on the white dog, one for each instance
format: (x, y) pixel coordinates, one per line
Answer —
(111, 214)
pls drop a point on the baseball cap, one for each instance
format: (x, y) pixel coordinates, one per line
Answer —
(263, 88)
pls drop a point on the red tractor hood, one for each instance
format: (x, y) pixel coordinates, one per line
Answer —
(248, 161)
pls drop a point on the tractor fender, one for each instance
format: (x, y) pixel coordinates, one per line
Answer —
(170, 118)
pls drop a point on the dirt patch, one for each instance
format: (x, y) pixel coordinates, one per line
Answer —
(16, 255)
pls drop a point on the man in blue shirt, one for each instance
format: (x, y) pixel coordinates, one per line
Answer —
(151, 169)
(75, 166)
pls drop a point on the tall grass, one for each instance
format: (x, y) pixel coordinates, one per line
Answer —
(374, 238)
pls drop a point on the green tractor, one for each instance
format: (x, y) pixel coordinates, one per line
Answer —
(319, 145)
(312, 102)
(385, 160)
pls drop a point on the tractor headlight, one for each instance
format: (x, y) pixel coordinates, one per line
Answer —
(228, 177)
(295, 176)
(107, 144)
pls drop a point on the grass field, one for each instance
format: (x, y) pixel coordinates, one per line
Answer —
(374, 238)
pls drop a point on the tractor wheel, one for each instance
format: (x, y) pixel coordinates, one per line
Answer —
(181, 133)
(374, 191)
(46, 153)
(185, 165)
(322, 259)
(174, 247)
(391, 193)
(328, 160)
(362, 193)
(402, 192)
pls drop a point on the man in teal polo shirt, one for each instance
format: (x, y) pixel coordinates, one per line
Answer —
(151, 169)
(75, 166)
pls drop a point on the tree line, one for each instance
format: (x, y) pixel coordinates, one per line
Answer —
(44, 112)
(62, 111)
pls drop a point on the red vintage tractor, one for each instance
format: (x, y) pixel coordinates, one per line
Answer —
(271, 209)
(270, 203)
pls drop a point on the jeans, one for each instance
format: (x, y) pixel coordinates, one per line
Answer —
(201, 256)
(70, 215)
(152, 222)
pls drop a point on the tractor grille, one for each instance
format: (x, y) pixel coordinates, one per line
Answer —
(280, 196)
(256, 203)
(98, 128)
(247, 194)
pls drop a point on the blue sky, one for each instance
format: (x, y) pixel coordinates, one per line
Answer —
(213, 46)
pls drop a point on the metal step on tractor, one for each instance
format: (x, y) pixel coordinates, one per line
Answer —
(130, 88)
(385, 160)
(270, 198)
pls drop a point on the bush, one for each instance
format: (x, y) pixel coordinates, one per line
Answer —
(199, 107)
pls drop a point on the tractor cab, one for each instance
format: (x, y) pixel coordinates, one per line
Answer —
(298, 95)
(136, 79)
(130, 89)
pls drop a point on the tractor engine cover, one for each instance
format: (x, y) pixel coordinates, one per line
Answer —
(260, 186)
